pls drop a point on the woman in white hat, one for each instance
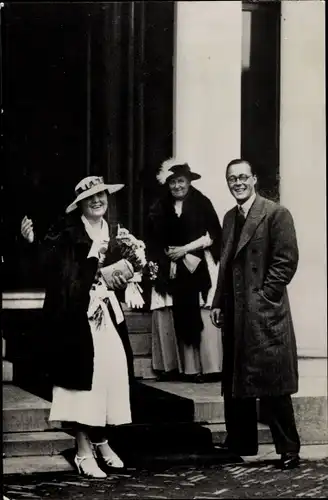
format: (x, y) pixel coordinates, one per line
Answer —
(87, 349)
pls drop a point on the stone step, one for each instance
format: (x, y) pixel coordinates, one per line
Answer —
(7, 371)
(207, 399)
(311, 418)
(141, 347)
(35, 464)
(310, 403)
(23, 299)
(137, 321)
(19, 444)
(219, 433)
(141, 343)
(24, 412)
(143, 367)
(151, 405)
(13, 302)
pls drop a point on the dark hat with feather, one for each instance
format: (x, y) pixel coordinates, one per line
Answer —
(175, 168)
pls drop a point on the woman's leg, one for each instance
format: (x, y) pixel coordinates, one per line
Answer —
(99, 439)
(83, 442)
(97, 435)
(85, 459)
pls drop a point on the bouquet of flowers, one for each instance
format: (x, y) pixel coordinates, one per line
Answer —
(153, 270)
(133, 251)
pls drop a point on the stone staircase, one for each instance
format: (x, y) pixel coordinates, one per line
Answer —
(30, 444)
(139, 326)
(21, 310)
(26, 430)
(27, 436)
(310, 404)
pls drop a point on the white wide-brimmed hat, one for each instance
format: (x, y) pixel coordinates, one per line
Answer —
(89, 186)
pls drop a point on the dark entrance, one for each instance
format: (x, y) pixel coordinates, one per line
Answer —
(87, 88)
(260, 98)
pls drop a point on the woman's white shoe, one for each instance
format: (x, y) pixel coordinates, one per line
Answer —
(109, 456)
(90, 467)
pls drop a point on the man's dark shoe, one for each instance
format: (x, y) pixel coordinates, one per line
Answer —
(289, 461)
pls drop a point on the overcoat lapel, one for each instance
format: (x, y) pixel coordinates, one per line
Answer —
(228, 246)
(256, 214)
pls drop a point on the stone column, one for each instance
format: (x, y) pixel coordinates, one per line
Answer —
(303, 165)
(208, 92)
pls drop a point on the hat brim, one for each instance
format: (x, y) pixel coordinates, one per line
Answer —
(111, 188)
(190, 175)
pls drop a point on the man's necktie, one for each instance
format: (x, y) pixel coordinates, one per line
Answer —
(241, 211)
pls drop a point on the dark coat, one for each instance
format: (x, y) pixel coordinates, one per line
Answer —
(264, 352)
(66, 337)
(166, 229)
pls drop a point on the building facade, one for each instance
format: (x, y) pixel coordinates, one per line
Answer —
(115, 88)
(212, 45)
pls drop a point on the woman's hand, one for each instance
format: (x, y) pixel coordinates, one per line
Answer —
(27, 230)
(175, 253)
(119, 282)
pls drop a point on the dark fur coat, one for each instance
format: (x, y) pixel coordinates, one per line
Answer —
(66, 340)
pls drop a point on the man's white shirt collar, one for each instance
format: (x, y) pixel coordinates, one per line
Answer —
(247, 205)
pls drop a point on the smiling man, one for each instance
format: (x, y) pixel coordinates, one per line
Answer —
(259, 257)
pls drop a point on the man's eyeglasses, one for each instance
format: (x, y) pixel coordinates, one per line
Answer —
(242, 178)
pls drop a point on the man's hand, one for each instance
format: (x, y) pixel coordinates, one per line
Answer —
(119, 282)
(217, 317)
(175, 253)
(27, 230)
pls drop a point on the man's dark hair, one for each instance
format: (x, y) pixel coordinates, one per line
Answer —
(236, 162)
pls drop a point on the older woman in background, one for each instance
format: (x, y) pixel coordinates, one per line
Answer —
(86, 344)
(184, 237)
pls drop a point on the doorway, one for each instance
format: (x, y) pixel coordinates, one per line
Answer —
(87, 88)
(260, 98)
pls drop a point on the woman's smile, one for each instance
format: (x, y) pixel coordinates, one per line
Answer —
(95, 206)
(179, 187)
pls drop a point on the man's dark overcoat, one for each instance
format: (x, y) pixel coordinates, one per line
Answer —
(264, 350)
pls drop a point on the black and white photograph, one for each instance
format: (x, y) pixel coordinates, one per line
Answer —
(164, 249)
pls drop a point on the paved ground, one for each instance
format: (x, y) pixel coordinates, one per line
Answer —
(254, 478)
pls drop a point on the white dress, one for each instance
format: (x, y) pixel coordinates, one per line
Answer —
(108, 402)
